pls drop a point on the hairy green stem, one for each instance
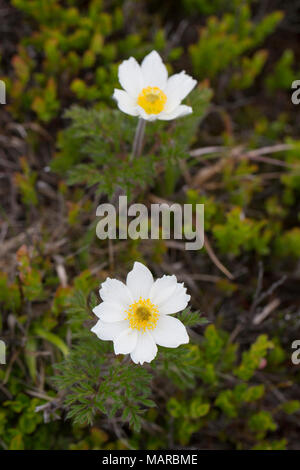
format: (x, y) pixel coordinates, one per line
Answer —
(138, 138)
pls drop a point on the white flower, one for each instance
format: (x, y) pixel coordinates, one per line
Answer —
(149, 93)
(137, 316)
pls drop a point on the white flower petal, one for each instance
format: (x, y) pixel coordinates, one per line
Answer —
(139, 281)
(145, 350)
(109, 331)
(176, 303)
(109, 312)
(180, 111)
(170, 332)
(146, 116)
(130, 77)
(154, 71)
(126, 341)
(115, 291)
(126, 103)
(162, 289)
(178, 87)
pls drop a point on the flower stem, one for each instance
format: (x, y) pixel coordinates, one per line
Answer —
(138, 138)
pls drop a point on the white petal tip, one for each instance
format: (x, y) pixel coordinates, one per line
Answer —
(137, 264)
(154, 54)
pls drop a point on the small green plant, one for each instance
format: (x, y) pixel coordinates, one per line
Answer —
(223, 41)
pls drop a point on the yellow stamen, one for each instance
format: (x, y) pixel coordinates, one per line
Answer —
(142, 315)
(152, 100)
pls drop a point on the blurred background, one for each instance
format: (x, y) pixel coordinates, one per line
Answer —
(235, 386)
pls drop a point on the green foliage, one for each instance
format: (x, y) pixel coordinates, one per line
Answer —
(291, 407)
(9, 294)
(242, 233)
(274, 445)
(21, 426)
(222, 43)
(23, 408)
(291, 179)
(81, 46)
(289, 243)
(95, 439)
(29, 276)
(252, 358)
(250, 69)
(189, 318)
(260, 423)
(64, 34)
(96, 383)
(46, 104)
(52, 338)
(231, 401)
(207, 7)
(253, 393)
(25, 182)
(226, 400)
(283, 74)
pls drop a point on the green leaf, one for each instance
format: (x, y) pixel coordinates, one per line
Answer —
(291, 407)
(189, 318)
(53, 339)
(30, 357)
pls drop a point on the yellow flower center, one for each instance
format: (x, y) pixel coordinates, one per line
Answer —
(152, 100)
(142, 315)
